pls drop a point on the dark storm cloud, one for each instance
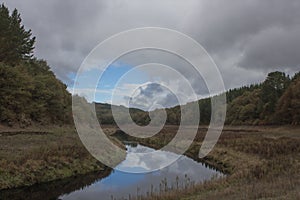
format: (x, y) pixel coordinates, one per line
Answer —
(261, 34)
(245, 38)
(63, 30)
(275, 48)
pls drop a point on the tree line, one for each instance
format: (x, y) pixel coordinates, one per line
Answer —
(274, 101)
(29, 91)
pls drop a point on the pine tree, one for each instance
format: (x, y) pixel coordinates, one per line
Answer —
(272, 89)
(16, 43)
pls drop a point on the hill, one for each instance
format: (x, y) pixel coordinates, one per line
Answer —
(274, 101)
(104, 114)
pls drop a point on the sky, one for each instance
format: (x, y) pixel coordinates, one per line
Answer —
(246, 39)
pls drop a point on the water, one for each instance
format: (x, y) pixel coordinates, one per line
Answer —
(120, 184)
(95, 186)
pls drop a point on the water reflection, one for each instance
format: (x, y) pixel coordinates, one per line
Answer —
(102, 185)
(142, 159)
(121, 184)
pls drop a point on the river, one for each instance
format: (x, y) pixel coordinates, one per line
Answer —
(124, 181)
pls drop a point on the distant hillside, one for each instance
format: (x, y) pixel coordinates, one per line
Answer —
(104, 114)
(274, 101)
(29, 91)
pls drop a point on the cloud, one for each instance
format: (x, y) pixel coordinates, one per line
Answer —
(152, 96)
(246, 39)
(258, 34)
(274, 48)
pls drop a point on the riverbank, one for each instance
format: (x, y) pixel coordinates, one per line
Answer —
(260, 163)
(38, 155)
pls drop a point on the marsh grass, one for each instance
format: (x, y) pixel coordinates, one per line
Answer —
(29, 158)
(259, 163)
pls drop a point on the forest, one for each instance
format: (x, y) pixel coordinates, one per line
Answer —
(275, 101)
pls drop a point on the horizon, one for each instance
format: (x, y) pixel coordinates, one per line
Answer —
(172, 106)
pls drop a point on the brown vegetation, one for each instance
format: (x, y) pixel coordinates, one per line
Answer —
(259, 163)
(31, 157)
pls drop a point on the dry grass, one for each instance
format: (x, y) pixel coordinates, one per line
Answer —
(261, 163)
(34, 156)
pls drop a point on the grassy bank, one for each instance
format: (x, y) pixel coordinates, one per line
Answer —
(35, 155)
(260, 163)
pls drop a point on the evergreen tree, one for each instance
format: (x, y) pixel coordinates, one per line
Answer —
(272, 89)
(16, 43)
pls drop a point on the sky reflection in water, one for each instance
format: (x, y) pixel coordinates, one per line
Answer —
(121, 184)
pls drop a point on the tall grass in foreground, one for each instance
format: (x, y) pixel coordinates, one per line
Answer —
(166, 188)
